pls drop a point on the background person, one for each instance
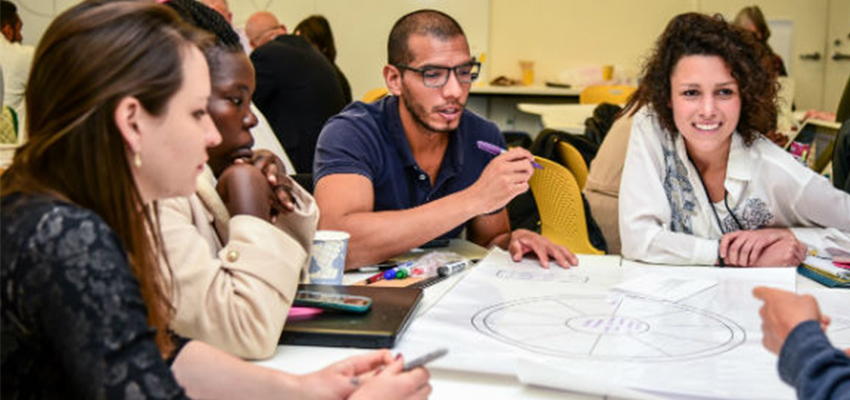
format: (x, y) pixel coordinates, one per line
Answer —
(262, 27)
(297, 90)
(701, 185)
(15, 61)
(752, 20)
(317, 30)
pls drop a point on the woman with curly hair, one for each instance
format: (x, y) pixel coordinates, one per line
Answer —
(701, 184)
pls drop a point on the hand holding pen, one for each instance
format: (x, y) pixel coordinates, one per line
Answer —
(393, 381)
(496, 150)
(505, 177)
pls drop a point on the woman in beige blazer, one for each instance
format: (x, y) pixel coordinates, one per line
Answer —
(237, 246)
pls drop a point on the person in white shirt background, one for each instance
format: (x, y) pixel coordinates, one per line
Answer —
(15, 61)
(701, 184)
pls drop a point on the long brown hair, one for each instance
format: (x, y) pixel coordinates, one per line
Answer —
(698, 34)
(317, 30)
(89, 59)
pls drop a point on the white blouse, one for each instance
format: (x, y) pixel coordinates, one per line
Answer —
(666, 217)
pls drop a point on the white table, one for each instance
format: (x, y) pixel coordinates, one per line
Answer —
(449, 384)
(570, 94)
(499, 104)
(564, 117)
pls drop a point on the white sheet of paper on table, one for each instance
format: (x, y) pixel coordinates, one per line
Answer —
(659, 286)
(707, 345)
(833, 303)
(552, 376)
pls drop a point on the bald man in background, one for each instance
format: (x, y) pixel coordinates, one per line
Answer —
(297, 87)
(262, 27)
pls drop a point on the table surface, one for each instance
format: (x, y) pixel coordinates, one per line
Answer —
(524, 91)
(447, 384)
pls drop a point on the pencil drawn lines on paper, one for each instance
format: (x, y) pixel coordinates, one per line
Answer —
(610, 328)
(541, 276)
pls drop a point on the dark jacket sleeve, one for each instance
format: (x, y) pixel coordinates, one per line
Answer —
(815, 368)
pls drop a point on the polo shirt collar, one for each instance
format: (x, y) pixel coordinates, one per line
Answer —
(395, 131)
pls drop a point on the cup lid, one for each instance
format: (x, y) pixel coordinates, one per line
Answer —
(331, 235)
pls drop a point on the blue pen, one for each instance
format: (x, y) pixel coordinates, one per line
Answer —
(496, 150)
(396, 273)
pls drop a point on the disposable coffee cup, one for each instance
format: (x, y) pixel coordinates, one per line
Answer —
(327, 261)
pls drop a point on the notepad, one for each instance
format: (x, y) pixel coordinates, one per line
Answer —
(825, 272)
(391, 312)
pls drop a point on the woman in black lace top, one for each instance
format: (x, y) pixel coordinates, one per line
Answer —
(117, 101)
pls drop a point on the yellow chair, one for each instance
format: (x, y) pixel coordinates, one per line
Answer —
(375, 94)
(8, 126)
(614, 94)
(574, 162)
(561, 209)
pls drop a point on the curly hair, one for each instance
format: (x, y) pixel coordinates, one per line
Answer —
(699, 34)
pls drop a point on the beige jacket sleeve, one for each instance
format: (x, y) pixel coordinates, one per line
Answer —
(234, 279)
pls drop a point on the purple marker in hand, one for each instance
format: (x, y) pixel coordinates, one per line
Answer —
(496, 150)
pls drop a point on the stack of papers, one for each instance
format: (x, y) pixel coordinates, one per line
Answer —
(824, 271)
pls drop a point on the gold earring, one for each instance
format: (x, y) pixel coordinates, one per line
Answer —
(137, 160)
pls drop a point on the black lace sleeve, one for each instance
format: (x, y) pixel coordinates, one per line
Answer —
(74, 324)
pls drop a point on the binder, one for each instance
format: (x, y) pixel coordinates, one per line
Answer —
(824, 272)
(391, 312)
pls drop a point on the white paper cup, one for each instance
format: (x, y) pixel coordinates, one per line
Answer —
(327, 261)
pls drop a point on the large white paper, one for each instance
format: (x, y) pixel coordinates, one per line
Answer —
(707, 345)
(834, 304)
(663, 287)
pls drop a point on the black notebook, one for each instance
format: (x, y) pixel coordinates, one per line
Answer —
(392, 310)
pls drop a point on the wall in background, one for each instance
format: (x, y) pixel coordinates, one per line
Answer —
(360, 27)
(557, 35)
(560, 35)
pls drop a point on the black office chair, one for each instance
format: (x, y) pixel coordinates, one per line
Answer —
(517, 139)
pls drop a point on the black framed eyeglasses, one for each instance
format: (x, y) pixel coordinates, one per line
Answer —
(437, 77)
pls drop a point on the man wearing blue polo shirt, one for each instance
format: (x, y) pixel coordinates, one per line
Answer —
(404, 170)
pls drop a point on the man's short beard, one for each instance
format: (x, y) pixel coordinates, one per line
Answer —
(417, 116)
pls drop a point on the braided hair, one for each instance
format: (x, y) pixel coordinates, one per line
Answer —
(203, 17)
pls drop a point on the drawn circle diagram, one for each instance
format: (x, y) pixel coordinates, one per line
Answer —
(599, 327)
